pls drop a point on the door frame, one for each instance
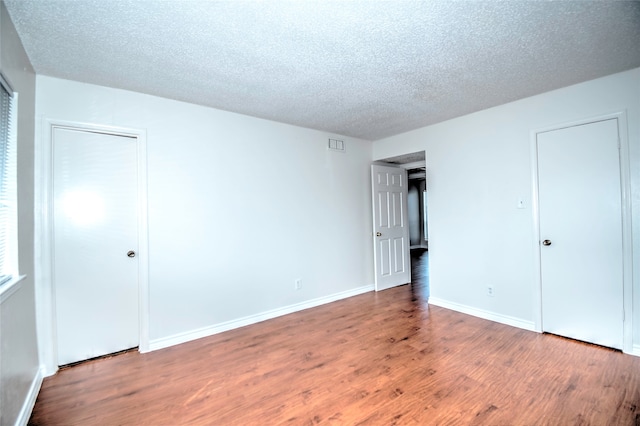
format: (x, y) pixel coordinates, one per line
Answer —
(625, 198)
(44, 286)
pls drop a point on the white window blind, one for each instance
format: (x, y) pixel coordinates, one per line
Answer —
(8, 216)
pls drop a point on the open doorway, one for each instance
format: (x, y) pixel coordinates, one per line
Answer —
(417, 214)
(417, 209)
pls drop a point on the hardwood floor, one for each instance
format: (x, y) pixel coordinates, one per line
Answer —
(420, 271)
(375, 359)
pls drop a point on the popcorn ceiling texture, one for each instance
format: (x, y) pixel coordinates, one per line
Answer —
(357, 68)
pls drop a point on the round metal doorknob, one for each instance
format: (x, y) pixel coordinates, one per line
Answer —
(546, 243)
(378, 234)
(131, 253)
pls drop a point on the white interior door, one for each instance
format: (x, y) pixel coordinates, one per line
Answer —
(94, 228)
(390, 227)
(581, 232)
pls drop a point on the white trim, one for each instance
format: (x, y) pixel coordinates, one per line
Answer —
(45, 298)
(143, 245)
(481, 313)
(627, 236)
(627, 249)
(30, 399)
(10, 287)
(4, 82)
(199, 333)
(535, 217)
(635, 351)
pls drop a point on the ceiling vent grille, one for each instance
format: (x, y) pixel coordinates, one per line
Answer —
(337, 145)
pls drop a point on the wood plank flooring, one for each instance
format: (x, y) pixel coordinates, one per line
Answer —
(374, 359)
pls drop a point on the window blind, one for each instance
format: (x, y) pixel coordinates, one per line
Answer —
(8, 231)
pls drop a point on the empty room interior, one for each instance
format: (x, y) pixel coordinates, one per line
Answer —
(354, 212)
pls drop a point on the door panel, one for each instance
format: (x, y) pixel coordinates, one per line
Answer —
(580, 215)
(399, 254)
(95, 225)
(390, 227)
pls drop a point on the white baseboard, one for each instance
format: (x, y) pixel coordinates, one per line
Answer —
(176, 339)
(636, 350)
(30, 400)
(481, 313)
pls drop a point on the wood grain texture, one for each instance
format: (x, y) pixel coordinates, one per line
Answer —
(375, 359)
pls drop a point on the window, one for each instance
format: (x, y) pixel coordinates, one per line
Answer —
(8, 216)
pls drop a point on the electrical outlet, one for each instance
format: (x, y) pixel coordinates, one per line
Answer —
(298, 284)
(490, 291)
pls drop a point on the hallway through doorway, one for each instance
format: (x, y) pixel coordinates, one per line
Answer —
(420, 272)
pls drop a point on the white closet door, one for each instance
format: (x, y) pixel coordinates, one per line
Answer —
(581, 232)
(95, 227)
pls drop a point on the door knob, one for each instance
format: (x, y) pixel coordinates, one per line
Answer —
(378, 234)
(131, 253)
(546, 243)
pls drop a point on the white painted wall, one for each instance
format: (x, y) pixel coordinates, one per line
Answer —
(19, 374)
(239, 207)
(477, 167)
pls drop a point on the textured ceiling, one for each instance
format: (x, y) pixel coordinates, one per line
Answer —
(358, 68)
